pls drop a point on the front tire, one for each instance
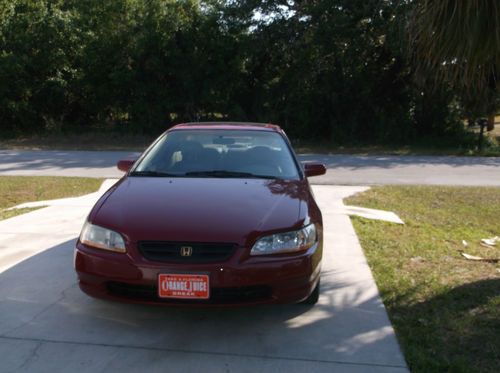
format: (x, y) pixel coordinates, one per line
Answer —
(313, 298)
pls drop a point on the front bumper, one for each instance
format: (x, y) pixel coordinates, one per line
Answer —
(237, 281)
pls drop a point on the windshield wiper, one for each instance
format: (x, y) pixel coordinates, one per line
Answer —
(228, 174)
(154, 174)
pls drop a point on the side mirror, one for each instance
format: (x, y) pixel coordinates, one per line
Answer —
(125, 164)
(314, 169)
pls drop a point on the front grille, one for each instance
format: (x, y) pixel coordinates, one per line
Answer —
(231, 295)
(171, 251)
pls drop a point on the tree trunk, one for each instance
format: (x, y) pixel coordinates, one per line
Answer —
(491, 122)
(480, 142)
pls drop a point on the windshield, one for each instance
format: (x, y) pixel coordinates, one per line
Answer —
(219, 153)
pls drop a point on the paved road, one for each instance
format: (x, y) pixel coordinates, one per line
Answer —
(342, 169)
(48, 325)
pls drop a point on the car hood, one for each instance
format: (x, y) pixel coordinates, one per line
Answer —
(202, 209)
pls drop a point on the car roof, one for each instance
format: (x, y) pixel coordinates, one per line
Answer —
(228, 126)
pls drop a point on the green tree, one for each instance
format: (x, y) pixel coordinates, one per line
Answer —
(335, 70)
(458, 43)
(37, 50)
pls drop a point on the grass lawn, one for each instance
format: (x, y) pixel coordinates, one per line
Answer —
(81, 141)
(15, 190)
(445, 309)
(135, 142)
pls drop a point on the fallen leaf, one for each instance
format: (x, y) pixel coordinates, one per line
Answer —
(490, 241)
(471, 257)
(479, 259)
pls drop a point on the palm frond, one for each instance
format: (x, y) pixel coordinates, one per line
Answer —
(457, 41)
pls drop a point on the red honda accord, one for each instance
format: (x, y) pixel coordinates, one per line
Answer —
(211, 213)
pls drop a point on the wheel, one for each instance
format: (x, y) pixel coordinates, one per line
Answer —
(313, 298)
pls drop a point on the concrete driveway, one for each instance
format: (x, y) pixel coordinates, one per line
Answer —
(342, 169)
(48, 325)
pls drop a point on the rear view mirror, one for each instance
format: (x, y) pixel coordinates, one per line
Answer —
(224, 140)
(314, 169)
(125, 164)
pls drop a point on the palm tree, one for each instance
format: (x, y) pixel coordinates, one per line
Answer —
(458, 42)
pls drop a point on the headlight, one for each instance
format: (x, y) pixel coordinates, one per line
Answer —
(287, 242)
(102, 238)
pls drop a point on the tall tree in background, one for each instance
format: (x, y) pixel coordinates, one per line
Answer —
(458, 43)
(334, 70)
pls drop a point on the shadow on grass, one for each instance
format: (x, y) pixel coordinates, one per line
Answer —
(456, 331)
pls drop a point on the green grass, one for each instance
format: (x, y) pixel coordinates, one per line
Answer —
(463, 145)
(306, 147)
(107, 140)
(15, 190)
(80, 141)
(492, 149)
(445, 309)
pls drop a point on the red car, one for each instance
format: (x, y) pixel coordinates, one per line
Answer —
(211, 213)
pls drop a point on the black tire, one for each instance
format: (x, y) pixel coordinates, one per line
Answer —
(313, 298)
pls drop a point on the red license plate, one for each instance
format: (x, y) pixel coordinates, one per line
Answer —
(183, 286)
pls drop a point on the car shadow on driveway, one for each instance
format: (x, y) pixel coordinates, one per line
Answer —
(46, 321)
